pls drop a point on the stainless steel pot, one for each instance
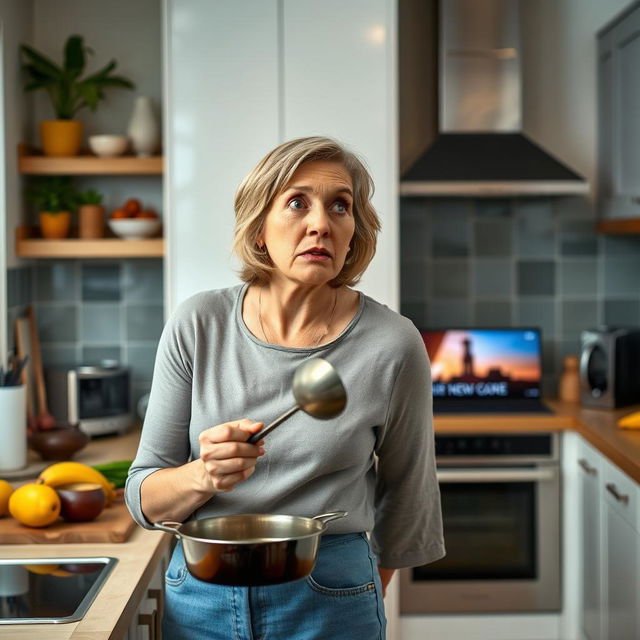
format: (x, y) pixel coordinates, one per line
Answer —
(250, 550)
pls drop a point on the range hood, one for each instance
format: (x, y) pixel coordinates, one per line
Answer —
(480, 149)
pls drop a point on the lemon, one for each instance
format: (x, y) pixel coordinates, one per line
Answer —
(35, 505)
(5, 493)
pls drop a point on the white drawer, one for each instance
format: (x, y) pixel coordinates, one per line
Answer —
(622, 493)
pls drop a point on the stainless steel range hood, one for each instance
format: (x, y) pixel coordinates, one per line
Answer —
(480, 149)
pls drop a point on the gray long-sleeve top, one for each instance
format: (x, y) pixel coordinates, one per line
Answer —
(375, 460)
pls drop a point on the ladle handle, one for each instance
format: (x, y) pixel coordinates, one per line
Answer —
(269, 428)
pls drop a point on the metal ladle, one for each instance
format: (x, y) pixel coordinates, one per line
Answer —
(318, 391)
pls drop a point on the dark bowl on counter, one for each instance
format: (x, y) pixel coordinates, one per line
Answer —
(59, 443)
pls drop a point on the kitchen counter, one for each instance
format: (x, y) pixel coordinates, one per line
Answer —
(596, 426)
(113, 610)
(117, 601)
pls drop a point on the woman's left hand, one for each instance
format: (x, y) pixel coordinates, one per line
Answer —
(385, 578)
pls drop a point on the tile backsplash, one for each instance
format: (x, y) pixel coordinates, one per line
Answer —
(509, 262)
(89, 311)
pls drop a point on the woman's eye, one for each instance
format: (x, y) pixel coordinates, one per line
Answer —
(296, 203)
(341, 207)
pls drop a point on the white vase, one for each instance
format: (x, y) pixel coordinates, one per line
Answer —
(144, 129)
(13, 428)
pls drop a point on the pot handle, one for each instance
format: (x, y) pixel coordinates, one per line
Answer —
(168, 526)
(328, 517)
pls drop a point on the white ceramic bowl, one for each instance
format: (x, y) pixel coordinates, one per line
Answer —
(108, 146)
(134, 228)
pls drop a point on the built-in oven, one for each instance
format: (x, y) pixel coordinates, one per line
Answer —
(501, 516)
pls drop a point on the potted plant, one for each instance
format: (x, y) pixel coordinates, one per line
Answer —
(90, 214)
(55, 199)
(68, 92)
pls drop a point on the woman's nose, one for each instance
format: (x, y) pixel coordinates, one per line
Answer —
(318, 221)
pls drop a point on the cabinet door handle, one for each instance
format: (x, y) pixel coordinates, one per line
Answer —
(592, 471)
(158, 596)
(620, 497)
(148, 620)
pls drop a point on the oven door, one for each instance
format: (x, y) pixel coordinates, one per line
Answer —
(502, 535)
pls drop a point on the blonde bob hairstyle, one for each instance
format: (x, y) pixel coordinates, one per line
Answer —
(270, 177)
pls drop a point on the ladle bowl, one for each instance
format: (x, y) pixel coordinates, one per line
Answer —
(318, 391)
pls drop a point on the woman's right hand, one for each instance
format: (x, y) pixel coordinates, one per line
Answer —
(227, 456)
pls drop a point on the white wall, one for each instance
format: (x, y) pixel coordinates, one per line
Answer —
(559, 76)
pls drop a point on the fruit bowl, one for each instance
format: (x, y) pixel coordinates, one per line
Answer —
(134, 228)
(108, 146)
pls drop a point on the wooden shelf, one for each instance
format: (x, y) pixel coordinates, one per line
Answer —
(36, 164)
(32, 247)
(622, 225)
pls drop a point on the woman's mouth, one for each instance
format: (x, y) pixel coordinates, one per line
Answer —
(316, 255)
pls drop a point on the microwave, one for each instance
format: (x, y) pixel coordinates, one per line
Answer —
(610, 367)
(97, 399)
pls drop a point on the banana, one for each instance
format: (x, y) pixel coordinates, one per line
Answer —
(67, 472)
(630, 421)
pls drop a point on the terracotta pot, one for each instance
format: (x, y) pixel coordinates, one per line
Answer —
(61, 137)
(55, 224)
(91, 221)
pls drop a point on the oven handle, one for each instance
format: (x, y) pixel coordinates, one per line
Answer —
(496, 475)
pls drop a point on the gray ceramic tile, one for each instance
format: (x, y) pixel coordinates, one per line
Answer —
(57, 323)
(142, 280)
(578, 315)
(574, 207)
(442, 314)
(56, 355)
(101, 283)
(493, 238)
(622, 312)
(451, 228)
(540, 313)
(568, 346)
(579, 277)
(415, 311)
(415, 232)
(622, 276)
(143, 322)
(618, 246)
(100, 323)
(25, 286)
(492, 313)
(141, 359)
(12, 288)
(578, 238)
(450, 278)
(56, 281)
(549, 356)
(413, 281)
(95, 356)
(493, 207)
(535, 228)
(536, 278)
(492, 277)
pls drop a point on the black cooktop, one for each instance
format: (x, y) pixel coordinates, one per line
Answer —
(52, 590)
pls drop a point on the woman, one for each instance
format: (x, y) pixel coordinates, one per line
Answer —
(305, 232)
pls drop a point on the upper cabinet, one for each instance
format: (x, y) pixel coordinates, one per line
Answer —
(618, 62)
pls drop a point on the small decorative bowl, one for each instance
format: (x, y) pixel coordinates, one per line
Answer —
(135, 228)
(59, 443)
(108, 146)
(81, 501)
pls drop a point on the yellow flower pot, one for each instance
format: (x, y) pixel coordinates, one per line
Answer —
(55, 224)
(61, 137)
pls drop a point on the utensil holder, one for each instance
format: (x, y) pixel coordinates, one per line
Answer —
(13, 428)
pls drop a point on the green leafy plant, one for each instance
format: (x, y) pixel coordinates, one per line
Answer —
(68, 92)
(53, 194)
(91, 196)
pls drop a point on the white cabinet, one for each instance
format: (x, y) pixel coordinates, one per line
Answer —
(618, 123)
(610, 548)
(243, 76)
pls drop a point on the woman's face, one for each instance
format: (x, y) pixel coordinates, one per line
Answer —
(310, 224)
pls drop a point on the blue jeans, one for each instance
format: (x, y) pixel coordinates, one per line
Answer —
(340, 600)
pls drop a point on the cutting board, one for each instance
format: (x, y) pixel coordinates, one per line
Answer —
(114, 524)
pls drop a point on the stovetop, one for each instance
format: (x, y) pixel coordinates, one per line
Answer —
(50, 590)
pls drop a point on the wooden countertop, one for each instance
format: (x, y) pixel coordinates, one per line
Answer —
(596, 426)
(112, 611)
